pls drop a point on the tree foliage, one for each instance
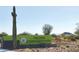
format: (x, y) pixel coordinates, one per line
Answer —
(25, 33)
(36, 34)
(47, 29)
(4, 34)
(54, 35)
(77, 29)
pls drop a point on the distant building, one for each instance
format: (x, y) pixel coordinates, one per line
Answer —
(67, 34)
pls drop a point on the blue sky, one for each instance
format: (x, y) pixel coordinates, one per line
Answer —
(32, 18)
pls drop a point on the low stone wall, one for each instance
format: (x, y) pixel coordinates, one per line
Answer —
(9, 45)
(36, 46)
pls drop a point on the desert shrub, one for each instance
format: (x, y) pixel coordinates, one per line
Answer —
(66, 38)
(76, 37)
(67, 46)
(72, 38)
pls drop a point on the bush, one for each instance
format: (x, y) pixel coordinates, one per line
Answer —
(7, 38)
(54, 35)
(36, 39)
(72, 38)
(32, 39)
(25, 33)
(76, 37)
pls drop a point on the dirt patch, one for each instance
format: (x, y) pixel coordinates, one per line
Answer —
(64, 46)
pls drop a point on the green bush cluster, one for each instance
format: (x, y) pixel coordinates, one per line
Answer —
(32, 39)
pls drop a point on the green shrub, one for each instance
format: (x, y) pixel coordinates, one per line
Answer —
(7, 38)
(33, 39)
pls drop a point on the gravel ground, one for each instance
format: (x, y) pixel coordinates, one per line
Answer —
(62, 47)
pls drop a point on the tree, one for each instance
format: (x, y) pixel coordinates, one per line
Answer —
(25, 33)
(54, 35)
(47, 29)
(36, 34)
(77, 29)
(4, 34)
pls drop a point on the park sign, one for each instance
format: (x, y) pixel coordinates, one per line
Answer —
(23, 41)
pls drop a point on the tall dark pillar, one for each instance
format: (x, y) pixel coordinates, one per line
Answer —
(14, 30)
